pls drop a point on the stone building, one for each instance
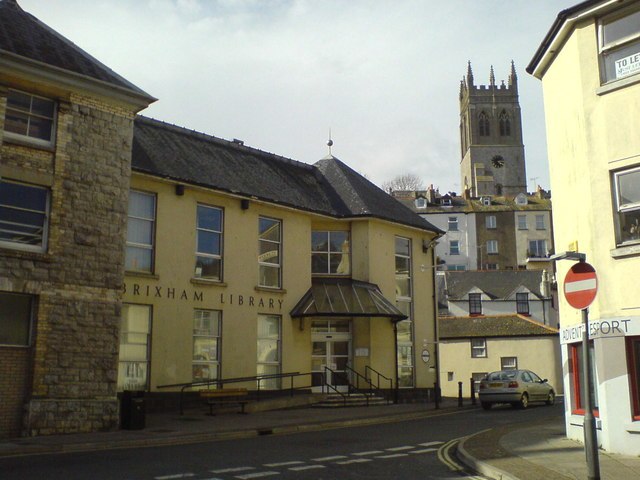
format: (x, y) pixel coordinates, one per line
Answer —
(67, 125)
(491, 146)
(134, 253)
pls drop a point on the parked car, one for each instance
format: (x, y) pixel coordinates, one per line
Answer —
(517, 387)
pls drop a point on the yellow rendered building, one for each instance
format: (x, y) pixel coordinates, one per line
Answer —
(589, 64)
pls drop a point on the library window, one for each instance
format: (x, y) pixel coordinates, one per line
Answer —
(140, 232)
(209, 225)
(330, 253)
(269, 363)
(30, 118)
(24, 216)
(207, 328)
(270, 252)
(134, 356)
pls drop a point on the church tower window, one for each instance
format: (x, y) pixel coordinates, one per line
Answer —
(505, 124)
(483, 125)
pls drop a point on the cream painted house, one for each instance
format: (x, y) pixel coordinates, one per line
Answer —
(472, 347)
(589, 65)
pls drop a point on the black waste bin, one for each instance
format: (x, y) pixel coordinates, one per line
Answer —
(132, 411)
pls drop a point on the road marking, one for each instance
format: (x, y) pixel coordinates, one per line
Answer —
(177, 475)
(430, 444)
(426, 450)
(282, 464)
(233, 470)
(398, 449)
(329, 459)
(355, 460)
(445, 457)
(256, 475)
(370, 452)
(306, 467)
(394, 455)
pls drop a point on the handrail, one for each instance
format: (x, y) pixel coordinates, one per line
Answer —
(368, 369)
(330, 386)
(220, 382)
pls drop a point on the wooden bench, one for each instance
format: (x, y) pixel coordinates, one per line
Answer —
(226, 396)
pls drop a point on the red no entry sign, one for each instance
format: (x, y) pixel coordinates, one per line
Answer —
(580, 285)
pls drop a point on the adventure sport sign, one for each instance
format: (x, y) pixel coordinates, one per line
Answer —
(580, 285)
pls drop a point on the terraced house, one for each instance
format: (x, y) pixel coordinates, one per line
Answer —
(136, 254)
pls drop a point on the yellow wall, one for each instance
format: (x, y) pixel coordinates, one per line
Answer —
(588, 137)
(372, 247)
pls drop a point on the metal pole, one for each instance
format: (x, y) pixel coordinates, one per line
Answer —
(472, 384)
(395, 343)
(459, 394)
(590, 437)
(436, 390)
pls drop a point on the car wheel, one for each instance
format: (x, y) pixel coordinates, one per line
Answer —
(524, 401)
(486, 405)
(551, 399)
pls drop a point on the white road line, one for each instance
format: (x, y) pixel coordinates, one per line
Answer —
(426, 450)
(430, 444)
(257, 475)
(398, 449)
(329, 459)
(370, 452)
(395, 455)
(355, 460)
(283, 464)
(233, 470)
(177, 475)
(306, 467)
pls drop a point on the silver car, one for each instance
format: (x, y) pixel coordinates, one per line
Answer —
(517, 387)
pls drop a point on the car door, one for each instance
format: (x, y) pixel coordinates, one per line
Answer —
(541, 388)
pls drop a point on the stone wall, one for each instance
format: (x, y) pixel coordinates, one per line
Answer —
(77, 282)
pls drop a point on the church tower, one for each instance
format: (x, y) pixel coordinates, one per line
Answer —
(492, 152)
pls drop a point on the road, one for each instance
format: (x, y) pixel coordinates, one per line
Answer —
(419, 449)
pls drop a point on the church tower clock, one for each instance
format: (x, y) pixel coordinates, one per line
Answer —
(492, 152)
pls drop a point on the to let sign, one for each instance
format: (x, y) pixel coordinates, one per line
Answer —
(580, 285)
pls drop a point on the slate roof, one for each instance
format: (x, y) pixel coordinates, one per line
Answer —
(474, 205)
(329, 187)
(24, 35)
(497, 284)
(492, 326)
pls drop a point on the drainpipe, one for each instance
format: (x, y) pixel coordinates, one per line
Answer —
(395, 343)
(435, 324)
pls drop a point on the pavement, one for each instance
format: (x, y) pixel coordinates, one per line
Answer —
(514, 452)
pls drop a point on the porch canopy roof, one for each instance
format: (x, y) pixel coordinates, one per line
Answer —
(344, 297)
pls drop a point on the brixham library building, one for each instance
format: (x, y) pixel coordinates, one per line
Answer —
(136, 255)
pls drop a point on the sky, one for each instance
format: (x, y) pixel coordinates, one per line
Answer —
(382, 77)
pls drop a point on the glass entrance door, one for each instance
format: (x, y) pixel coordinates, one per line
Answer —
(331, 353)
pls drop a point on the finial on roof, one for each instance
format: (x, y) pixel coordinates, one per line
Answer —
(513, 78)
(469, 75)
(329, 142)
(492, 77)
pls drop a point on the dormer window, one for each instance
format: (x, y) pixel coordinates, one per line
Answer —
(521, 199)
(486, 201)
(446, 201)
(421, 202)
(29, 118)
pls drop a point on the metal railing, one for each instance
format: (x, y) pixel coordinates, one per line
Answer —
(221, 382)
(367, 373)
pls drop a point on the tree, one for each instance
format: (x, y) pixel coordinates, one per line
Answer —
(406, 181)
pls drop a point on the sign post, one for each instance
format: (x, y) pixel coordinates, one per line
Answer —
(580, 289)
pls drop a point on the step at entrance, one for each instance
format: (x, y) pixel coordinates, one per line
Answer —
(335, 400)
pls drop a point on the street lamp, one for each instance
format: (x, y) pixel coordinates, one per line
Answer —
(589, 422)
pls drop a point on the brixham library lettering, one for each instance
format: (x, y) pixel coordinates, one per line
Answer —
(172, 293)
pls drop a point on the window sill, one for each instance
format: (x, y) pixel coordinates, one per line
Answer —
(633, 427)
(27, 142)
(625, 251)
(25, 254)
(131, 273)
(618, 84)
(204, 281)
(259, 288)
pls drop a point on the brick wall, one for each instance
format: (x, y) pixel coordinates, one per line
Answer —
(14, 381)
